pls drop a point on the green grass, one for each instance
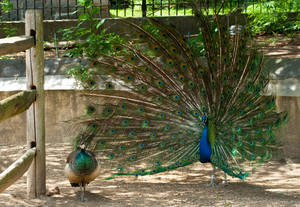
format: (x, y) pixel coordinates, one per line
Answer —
(259, 7)
(137, 12)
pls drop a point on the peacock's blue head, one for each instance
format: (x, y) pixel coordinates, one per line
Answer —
(204, 119)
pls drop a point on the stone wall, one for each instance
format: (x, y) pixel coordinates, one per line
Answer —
(62, 105)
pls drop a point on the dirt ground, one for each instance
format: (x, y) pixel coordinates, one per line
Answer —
(274, 184)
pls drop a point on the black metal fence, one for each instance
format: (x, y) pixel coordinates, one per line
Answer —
(65, 9)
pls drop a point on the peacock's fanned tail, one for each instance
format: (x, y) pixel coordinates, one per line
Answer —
(157, 90)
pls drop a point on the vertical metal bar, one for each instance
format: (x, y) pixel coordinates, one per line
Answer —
(176, 7)
(100, 9)
(132, 8)
(117, 7)
(224, 7)
(76, 7)
(59, 9)
(215, 6)
(17, 10)
(207, 5)
(92, 4)
(161, 7)
(144, 8)
(169, 7)
(68, 9)
(51, 5)
(43, 5)
(184, 12)
(153, 7)
(124, 5)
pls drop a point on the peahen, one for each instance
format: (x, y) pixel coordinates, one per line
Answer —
(165, 107)
(81, 168)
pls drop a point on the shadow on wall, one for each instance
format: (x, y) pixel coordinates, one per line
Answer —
(60, 106)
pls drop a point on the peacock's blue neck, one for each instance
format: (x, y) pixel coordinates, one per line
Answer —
(205, 147)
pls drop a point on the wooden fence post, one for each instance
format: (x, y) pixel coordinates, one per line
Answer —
(36, 178)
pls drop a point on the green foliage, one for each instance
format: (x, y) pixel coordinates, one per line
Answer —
(197, 45)
(272, 17)
(5, 7)
(80, 73)
(88, 39)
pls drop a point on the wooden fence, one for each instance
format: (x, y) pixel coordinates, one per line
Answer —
(32, 100)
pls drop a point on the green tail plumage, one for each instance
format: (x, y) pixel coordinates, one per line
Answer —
(158, 90)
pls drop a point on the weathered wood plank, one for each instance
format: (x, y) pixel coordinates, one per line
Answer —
(36, 178)
(15, 44)
(16, 170)
(16, 104)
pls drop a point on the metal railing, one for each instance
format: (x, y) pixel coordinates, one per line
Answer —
(65, 9)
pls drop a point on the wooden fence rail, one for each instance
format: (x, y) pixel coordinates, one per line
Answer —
(15, 44)
(16, 104)
(17, 169)
(35, 157)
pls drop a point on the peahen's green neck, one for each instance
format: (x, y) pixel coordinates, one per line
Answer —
(83, 162)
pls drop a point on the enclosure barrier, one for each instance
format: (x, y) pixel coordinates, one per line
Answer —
(17, 169)
(32, 100)
(66, 9)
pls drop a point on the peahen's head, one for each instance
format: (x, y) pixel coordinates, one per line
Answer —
(81, 145)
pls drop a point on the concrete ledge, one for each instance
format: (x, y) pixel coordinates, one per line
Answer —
(284, 72)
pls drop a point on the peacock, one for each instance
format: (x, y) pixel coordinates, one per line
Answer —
(81, 168)
(163, 107)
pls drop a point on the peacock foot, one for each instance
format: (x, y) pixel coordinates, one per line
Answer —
(83, 198)
(212, 183)
(225, 183)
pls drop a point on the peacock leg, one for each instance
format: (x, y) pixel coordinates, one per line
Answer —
(81, 192)
(84, 198)
(225, 179)
(212, 182)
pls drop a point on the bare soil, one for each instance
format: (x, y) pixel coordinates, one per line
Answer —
(274, 184)
(279, 45)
